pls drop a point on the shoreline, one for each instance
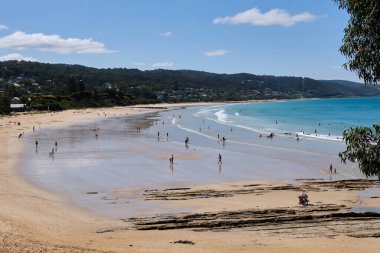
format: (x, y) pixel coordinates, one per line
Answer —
(19, 196)
(34, 219)
(110, 195)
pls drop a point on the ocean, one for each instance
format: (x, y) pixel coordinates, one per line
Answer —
(122, 163)
(320, 118)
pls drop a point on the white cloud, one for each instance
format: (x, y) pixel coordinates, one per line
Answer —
(16, 57)
(3, 27)
(162, 64)
(52, 43)
(214, 53)
(254, 16)
(167, 34)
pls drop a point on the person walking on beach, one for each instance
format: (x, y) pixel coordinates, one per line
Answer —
(171, 159)
(220, 159)
(36, 144)
(331, 168)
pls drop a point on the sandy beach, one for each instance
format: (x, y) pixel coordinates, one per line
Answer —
(249, 216)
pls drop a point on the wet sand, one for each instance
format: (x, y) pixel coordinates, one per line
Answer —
(239, 217)
(109, 172)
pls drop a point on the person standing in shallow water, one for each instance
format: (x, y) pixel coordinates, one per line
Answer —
(219, 158)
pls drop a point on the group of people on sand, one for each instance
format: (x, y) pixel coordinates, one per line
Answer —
(223, 139)
(171, 159)
(187, 140)
(53, 150)
(96, 132)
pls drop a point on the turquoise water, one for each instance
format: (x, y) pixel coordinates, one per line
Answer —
(324, 118)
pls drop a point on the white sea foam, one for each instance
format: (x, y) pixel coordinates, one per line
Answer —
(247, 143)
(325, 137)
(267, 131)
(222, 116)
(207, 110)
(224, 119)
(230, 123)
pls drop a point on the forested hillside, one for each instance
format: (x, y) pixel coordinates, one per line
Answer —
(44, 86)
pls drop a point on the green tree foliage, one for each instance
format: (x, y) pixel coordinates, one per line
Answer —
(81, 87)
(361, 42)
(120, 86)
(361, 46)
(72, 85)
(4, 103)
(363, 147)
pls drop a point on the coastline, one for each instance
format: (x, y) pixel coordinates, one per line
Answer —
(34, 219)
(329, 129)
(27, 209)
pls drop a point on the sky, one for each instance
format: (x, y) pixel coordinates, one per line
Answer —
(262, 37)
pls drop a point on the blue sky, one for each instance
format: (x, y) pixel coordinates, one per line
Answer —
(283, 37)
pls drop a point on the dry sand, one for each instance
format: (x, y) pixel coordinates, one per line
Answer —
(244, 217)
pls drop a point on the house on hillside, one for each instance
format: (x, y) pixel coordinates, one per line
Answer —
(16, 105)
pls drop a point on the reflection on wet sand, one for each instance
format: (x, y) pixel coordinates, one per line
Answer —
(123, 157)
